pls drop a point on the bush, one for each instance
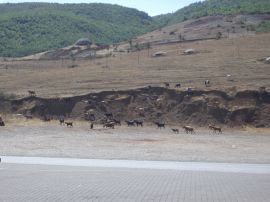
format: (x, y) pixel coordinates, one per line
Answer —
(263, 27)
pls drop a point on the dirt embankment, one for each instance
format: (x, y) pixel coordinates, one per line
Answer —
(153, 104)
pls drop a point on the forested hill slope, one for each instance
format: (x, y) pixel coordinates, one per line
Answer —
(28, 28)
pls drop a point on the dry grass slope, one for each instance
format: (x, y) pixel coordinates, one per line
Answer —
(238, 57)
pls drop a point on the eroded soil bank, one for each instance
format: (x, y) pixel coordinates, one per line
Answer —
(153, 104)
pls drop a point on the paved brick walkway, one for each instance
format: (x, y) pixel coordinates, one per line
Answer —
(20, 182)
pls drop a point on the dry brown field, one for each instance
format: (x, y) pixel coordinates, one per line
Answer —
(236, 56)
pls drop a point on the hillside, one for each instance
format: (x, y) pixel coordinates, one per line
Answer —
(28, 28)
(34, 27)
(238, 56)
(209, 27)
(234, 64)
(218, 7)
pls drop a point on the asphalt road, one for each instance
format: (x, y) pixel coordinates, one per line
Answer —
(96, 180)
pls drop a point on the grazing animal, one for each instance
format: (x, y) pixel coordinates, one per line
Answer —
(62, 120)
(139, 123)
(189, 129)
(160, 125)
(32, 93)
(92, 117)
(117, 122)
(207, 83)
(69, 124)
(175, 130)
(178, 85)
(130, 123)
(2, 123)
(167, 85)
(108, 125)
(215, 129)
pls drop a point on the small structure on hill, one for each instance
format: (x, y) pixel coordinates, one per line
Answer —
(83, 42)
(159, 54)
(189, 52)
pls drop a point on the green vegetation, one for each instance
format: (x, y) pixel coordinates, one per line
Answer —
(34, 27)
(263, 27)
(28, 28)
(220, 7)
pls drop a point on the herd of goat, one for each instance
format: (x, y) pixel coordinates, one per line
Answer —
(110, 123)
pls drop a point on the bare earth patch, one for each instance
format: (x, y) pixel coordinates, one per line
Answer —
(148, 143)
